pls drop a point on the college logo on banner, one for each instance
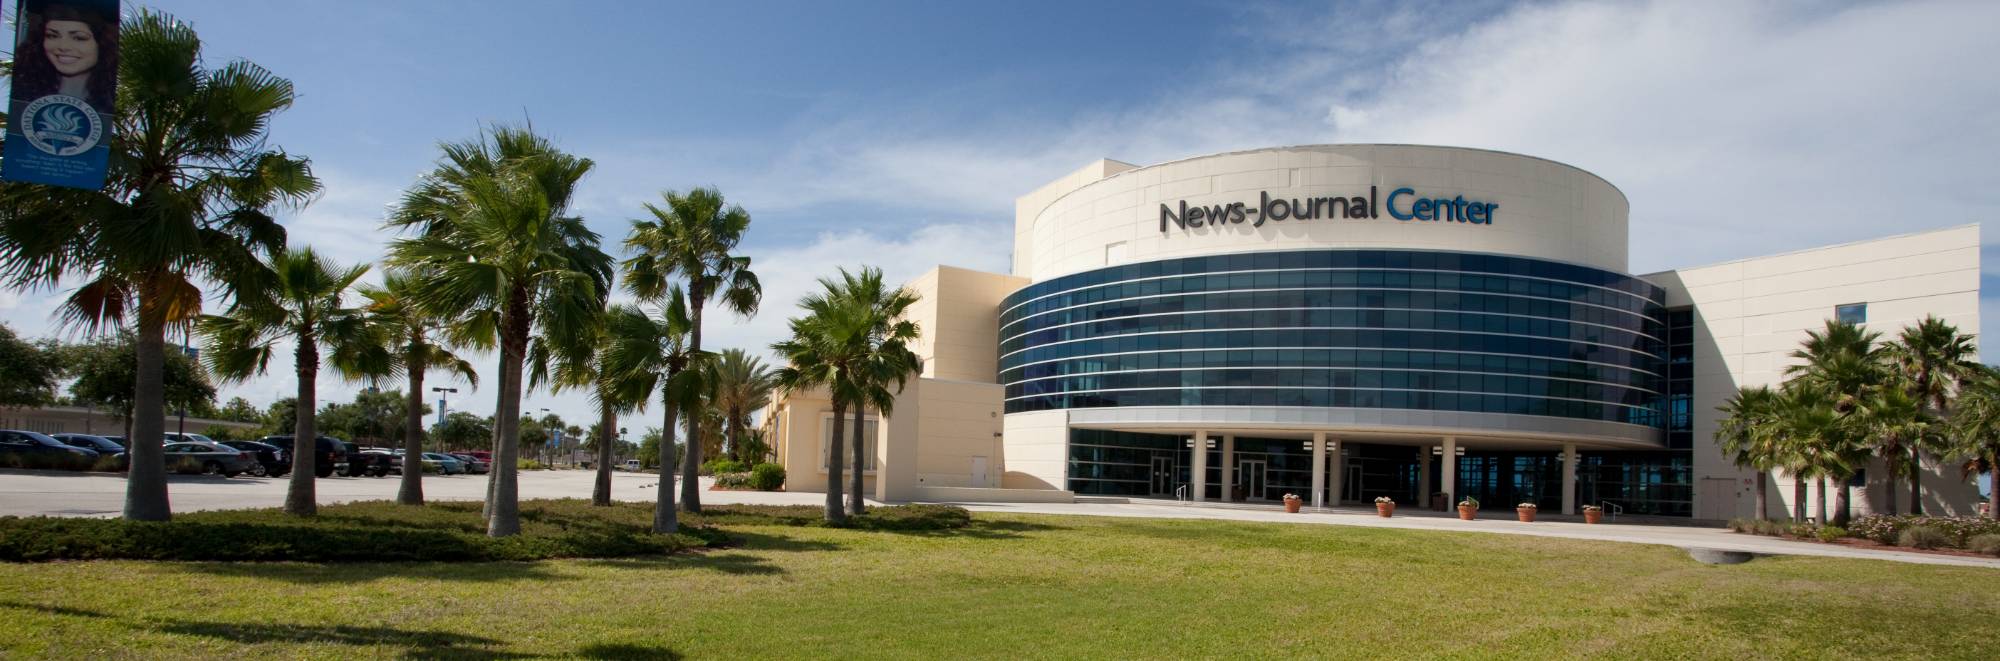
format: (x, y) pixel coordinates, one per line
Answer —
(65, 89)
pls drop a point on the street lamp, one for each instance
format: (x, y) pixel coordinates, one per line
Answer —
(441, 407)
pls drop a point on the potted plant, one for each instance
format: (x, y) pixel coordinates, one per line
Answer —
(1384, 506)
(1526, 512)
(1592, 514)
(1292, 503)
(1467, 507)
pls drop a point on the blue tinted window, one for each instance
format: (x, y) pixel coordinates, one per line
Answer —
(1851, 313)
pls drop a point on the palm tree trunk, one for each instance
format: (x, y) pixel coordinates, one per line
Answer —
(146, 471)
(301, 499)
(1889, 458)
(855, 505)
(734, 440)
(412, 490)
(607, 424)
(1798, 497)
(506, 519)
(1822, 501)
(1993, 489)
(834, 511)
(1763, 498)
(1840, 513)
(1916, 481)
(666, 520)
(691, 466)
(493, 450)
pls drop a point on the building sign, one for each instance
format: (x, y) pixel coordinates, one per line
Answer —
(1402, 204)
(65, 87)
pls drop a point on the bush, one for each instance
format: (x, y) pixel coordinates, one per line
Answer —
(1802, 530)
(1740, 524)
(1830, 533)
(767, 477)
(1923, 537)
(736, 480)
(528, 465)
(720, 466)
(1889, 529)
(1771, 528)
(1988, 544)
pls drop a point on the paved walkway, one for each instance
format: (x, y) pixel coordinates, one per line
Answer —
(30, 493)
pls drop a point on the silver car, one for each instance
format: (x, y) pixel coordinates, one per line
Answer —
(208, 458)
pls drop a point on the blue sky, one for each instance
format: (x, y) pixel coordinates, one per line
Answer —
(898, 134)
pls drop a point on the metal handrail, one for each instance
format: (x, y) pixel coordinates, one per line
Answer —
(1614, 509)
(1181, 494)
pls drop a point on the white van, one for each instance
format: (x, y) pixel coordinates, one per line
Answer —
(631, 465)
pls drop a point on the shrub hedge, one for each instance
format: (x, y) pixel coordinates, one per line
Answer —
(767, 477)
(1923, 537)
(384, 531)
(1988, 544)
(719, 466)
(1958, 530)
(733, 480)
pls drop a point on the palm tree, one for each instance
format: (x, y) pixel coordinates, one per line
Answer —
(494, 239)
(690, 238)
(655, 352)
(568, 363)
(1820, 441)
(742, 385)
(192, 182)
(885, 356)
(1897, 421)
(1976, 426)
(1844, 362)
(303, 304)
(416, 332)
(826, 347)
(1750, 434)
(1934, 358)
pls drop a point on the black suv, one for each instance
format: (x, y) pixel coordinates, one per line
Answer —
(272, 461)
(330, 454)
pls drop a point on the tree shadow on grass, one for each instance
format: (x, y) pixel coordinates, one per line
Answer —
(418, 644)
(766, 542)
(739, 564)
(322, 574)
(982, 529)
(627, 652)
(54, 610)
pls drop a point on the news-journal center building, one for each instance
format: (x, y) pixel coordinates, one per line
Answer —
(1346, 322)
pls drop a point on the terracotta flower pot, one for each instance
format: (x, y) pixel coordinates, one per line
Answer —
(1292, 505)
(1465, 512)
(1593, 516)
(1527, 514)
(1385, 510)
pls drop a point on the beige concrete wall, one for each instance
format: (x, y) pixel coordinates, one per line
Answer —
(1028, 207)
(959, 312)
(959, 421)
(800, 419)
(1037, 450)
(968, 495)
(1749, 314)
(1547, 209)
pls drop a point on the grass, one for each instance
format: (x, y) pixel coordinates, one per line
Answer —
(1012, 586)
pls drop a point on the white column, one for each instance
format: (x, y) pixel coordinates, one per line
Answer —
(1198, 476)
(1319, 469)
(1339, 470)
(1569, 478)
(1450, 471)
(1228, 466)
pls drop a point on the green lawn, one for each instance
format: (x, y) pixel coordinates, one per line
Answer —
(1021, 586)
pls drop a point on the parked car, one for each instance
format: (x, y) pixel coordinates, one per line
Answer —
(632, 464)
(330, 454)
(272, 461)
(209, 458)
(473, 464)
(26, 449)
(178, 437)
(104, 447)
(447, 464)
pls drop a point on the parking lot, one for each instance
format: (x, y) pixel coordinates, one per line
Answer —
(64, 493)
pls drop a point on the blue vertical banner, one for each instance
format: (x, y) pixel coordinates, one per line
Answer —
(65, 87)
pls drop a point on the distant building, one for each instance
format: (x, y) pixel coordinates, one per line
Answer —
(87, 420)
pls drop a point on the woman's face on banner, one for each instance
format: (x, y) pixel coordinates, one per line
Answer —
(71, 47)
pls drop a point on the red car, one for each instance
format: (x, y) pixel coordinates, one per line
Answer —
(482, 455)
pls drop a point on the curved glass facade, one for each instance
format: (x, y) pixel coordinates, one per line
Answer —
(1391, 329)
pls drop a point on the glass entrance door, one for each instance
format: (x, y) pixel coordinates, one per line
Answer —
(1163, 475)
(1250, 474)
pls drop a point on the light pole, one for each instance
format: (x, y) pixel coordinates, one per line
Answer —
(441, 407)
